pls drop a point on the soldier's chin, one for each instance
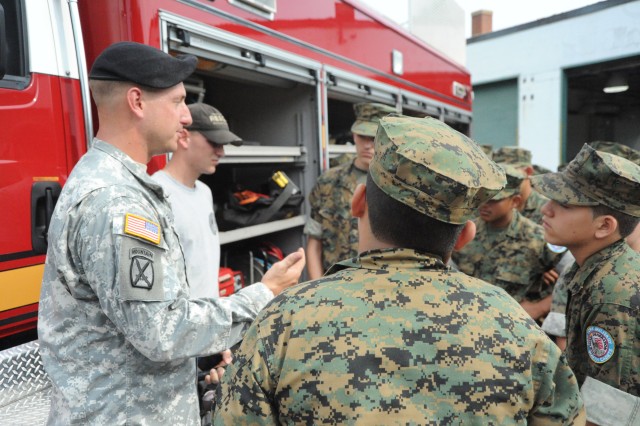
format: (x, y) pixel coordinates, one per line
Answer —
(549, 238)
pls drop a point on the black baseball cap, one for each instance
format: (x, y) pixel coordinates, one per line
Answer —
(212, 124)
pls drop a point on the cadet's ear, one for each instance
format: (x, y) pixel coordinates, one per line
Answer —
(359, 201)
(516, 201)
(606, 225)
(467, 234)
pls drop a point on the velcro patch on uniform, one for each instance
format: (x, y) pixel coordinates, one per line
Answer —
(600, 345)
(140, 227)
(141, 271)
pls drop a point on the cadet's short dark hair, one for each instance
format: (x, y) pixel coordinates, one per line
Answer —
(626, 223)
(396, 223)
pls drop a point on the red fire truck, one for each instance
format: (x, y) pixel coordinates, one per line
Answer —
(286, 74)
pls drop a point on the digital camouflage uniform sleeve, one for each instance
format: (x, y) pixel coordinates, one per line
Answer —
(249, 399)
(555, 322)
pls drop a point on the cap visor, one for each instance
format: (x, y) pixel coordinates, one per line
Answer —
(504, 194)
(365, 128)
(558, 188)
(222, 137)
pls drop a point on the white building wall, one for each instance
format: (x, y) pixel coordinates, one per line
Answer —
(537, 57)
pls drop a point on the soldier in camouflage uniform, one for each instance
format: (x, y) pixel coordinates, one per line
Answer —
(532, 201)
(509, 250)
(555, 323)
(331, 230)
(394, 336)
(594, 206)
(118, 332)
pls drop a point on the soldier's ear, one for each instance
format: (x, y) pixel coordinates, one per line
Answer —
(359, 201)
(467, 234)
(516, 201)
(135, 101)
(606, 225)
(183, 138)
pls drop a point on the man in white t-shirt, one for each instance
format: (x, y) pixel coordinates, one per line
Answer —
(200, 149)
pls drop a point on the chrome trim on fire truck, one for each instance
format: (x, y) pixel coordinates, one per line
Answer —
(82, 70)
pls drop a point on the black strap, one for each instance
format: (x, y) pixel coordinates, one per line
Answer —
(265, 215)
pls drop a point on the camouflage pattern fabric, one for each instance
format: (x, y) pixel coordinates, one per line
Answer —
(330, 202)
(117, 330)
(533, 207)
(346, 158)
(616, 148)
(515, 177)
(517, 157)
(368, 116)
(555, 323)
(435, 170)
(514, 258)
(488, 150)
(604, 303)
(397, 338)
(538, 169)
(560, 296)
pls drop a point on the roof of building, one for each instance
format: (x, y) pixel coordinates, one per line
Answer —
(549, 20)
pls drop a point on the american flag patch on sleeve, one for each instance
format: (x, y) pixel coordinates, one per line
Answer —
(142, 228)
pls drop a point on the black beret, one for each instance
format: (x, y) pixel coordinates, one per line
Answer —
(142, 64)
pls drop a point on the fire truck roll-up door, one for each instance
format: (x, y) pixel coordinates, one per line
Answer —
(419, 106)
(271, 99)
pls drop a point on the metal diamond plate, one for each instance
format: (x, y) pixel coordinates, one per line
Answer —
(25, 389)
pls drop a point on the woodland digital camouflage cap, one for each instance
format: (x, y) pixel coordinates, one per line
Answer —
(616, 148)
(425, 164)
(487, 149)
(368, 116)
(514, 182)
(592, 178)
(518, 157)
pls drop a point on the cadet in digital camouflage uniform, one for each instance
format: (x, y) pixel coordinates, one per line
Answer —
(594, 206)
(520, 158)
(118, 332)
(509, 250)
(394, 336)
(555, 322)
(331, 230)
